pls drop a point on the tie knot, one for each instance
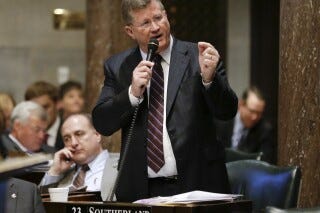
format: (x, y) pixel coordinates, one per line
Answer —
(85, 167)
(157, 58)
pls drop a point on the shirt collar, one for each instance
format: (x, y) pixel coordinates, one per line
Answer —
(23, 148)
(166, 54)
(99, 160)
(239, 126)
(54, 128)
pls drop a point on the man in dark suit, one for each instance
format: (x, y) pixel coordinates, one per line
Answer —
(21, 196)
(28, 130)
(195, 91)
(248, 131)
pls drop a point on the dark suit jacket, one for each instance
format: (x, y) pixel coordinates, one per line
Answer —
(59, 140)
(260, 138)
(22, 197)
(10, 146)
(190, 111)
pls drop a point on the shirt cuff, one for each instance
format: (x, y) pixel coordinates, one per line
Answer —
(48, 179)
(133, 99)
(206, 85)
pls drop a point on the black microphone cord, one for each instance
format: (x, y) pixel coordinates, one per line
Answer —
(152, 48)
(126, 148)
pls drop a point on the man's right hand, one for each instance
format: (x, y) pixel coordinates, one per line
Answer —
(141, 77)
(62, 161)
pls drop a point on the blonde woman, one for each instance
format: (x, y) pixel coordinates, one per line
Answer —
(7, 103)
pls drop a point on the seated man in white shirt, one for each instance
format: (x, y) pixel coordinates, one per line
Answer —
(82, 149)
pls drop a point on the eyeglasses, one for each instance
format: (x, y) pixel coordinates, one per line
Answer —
(147, 24)
(253, 111)
(37, 129)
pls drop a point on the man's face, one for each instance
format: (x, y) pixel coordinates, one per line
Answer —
(30, 134)
(149, 22)
(251, 111)
(81, 139)
(49, 105)
(73, 102)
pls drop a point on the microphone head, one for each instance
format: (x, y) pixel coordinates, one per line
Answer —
(153, 45)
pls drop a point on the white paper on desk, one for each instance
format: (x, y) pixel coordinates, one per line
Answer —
(189, 197)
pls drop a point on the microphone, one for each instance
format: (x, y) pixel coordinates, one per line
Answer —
(152, 48)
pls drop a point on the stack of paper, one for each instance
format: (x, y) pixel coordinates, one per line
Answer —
(10, 166)
(189, 197)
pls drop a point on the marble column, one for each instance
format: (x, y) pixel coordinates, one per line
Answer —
(299, 94)
(105, 37)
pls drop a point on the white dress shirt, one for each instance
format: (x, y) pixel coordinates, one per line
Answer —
(170, 167)
(53, 132)
(23, 148)
(238, 131)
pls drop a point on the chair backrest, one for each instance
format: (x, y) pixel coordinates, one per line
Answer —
(234, 155)
(271, 209)
(265, 184)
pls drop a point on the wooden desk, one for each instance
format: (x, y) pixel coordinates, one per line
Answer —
(244, 206)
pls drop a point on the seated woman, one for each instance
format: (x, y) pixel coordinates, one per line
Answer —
(7, 104)
(71, 98)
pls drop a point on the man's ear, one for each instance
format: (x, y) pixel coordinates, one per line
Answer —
(59, 105)
(241, 103)
(128, 30)
(98, 137)
(17, 125)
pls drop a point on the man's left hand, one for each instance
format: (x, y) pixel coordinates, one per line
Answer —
(208, 60)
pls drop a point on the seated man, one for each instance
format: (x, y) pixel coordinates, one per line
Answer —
(81, 163)
(28, 130)
(248, 131)
(20, 196)
(17, 195)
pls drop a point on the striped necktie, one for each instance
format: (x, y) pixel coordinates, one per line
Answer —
(155, 117)
(79, 179)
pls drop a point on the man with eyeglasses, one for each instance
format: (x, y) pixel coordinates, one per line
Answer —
(27, 131)
(173, 147)
(249, 132)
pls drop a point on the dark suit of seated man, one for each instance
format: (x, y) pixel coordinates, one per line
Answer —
(20, 196)
(248, 131)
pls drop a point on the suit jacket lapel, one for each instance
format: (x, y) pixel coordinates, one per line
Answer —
(128, 65)
(9, 144)
(68, 178)
(178, 65)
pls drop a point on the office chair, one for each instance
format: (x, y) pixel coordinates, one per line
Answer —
(271, 209)
(265, 184)
(234, 155)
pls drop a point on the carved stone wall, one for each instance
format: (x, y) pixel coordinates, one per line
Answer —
(104, 38)
(299, 94)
